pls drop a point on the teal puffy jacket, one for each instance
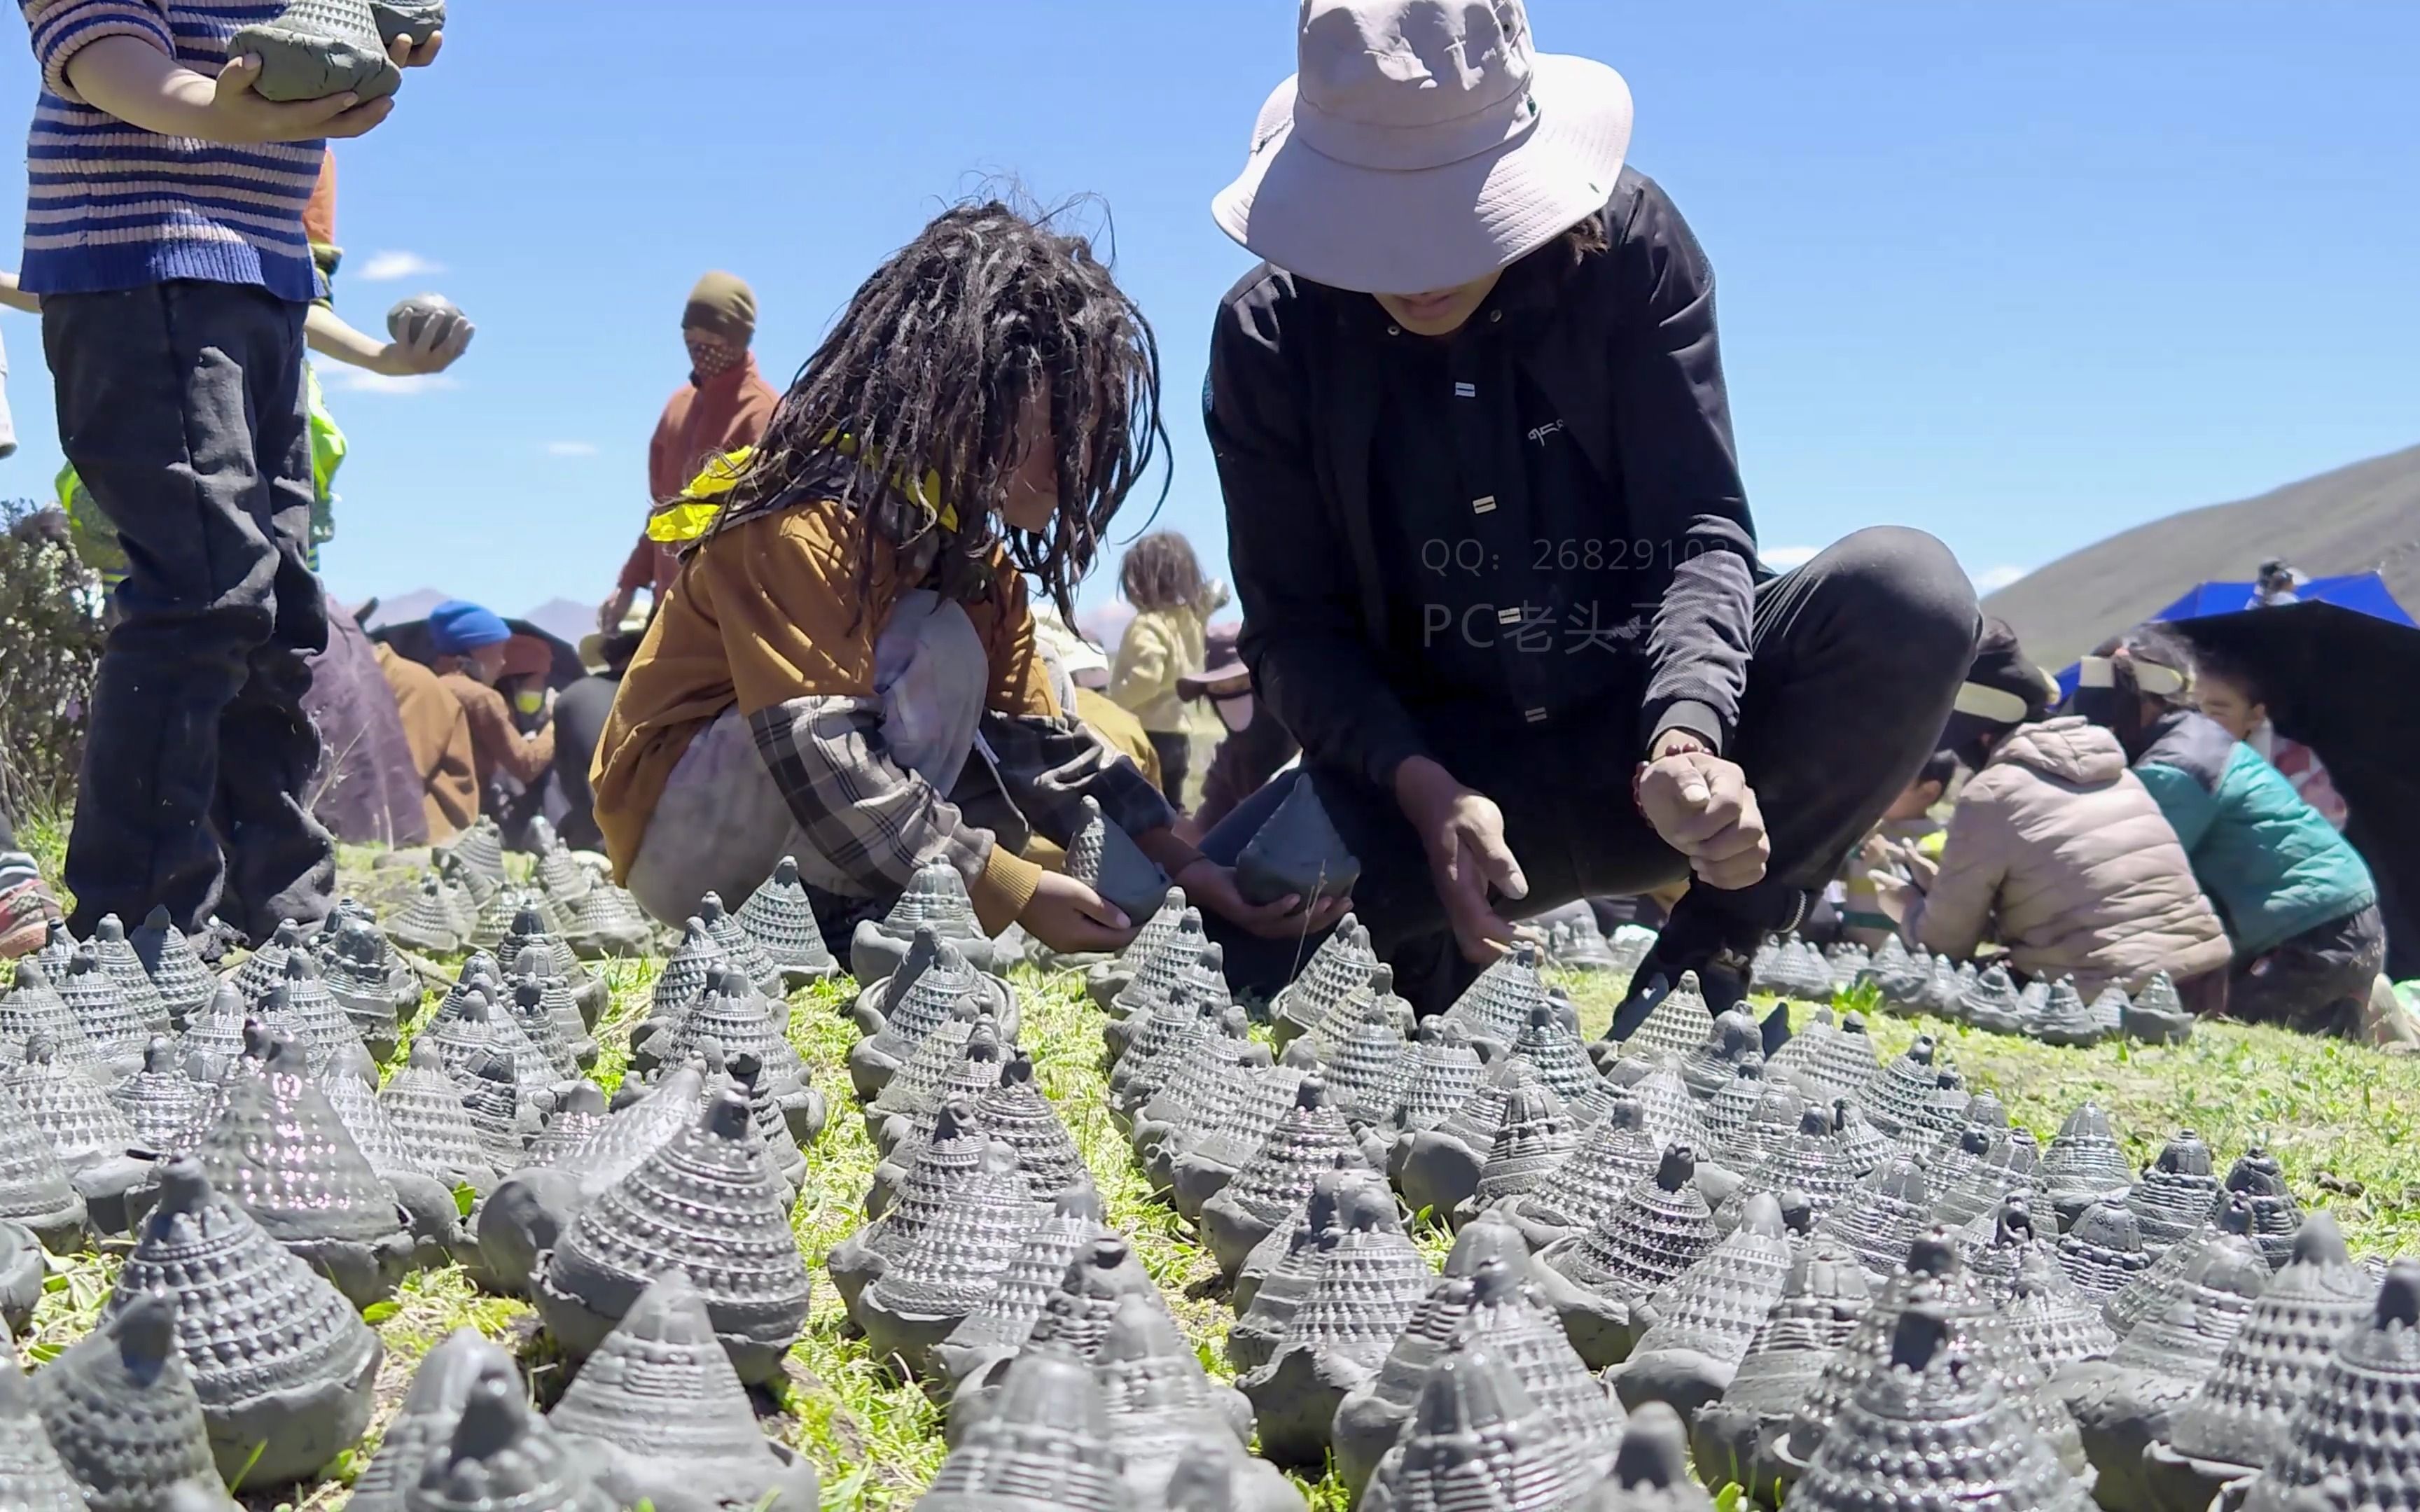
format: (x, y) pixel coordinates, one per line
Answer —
(2272, 866)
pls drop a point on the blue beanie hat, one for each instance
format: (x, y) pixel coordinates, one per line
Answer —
(456, 627)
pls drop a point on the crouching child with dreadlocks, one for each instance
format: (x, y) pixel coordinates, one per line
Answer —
(844, 669)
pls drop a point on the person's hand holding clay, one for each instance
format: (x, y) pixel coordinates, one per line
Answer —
(435, 347)
(1703, 807)
(1212, 887)
(1463, 832)
(1072, 918)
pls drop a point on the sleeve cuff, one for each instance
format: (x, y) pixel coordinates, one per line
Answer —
(1005, 888)
(1697, 718)
(1388, 755)
(67, 30)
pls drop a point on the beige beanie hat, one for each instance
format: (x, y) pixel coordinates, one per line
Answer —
(724, 304)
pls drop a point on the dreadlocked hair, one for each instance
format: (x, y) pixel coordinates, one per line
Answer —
(926, 376)
(1160, 571)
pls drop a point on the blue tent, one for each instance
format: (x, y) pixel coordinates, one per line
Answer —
(2363, 593)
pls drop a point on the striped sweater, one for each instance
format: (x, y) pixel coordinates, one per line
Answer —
(112, 207)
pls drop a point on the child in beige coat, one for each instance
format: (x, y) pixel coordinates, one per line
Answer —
(1162, 578)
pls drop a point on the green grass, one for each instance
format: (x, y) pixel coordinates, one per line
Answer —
(2338, 1117)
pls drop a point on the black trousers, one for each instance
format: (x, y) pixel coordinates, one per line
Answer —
(1175, 751)
(1855, 661)
(181, 406)
(2317, 982)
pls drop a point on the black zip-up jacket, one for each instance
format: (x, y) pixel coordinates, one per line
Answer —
(1630, 360)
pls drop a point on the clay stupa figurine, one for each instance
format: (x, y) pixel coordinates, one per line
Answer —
(1728, 1111)
(2157, 1015)
(1677, 1024)
(1230, 1136)
(779, 918)
(2351, 1442)
(1016, 1113)
(503, 1455)
(1651, 1470)
(1342, 963)
(263, 970)
(423, 1425)
(2064, 1019)
(2104, 1251)
(433, 1209)
(1270, 1288)
(940, 1172)
(1993, 1004)
(1660, 1229)
(1496, 1007)
(1811, 1161)
(1076, 1317)
(1577, 1193)
(2007, 1169)
(120, 1409)
(279, 1359)
(1533, 1140)
(1103, 857)
(358, 983)
(1106, 981)
(2154, 1291)
(177, 973)
(1798, 1052)
(2123, 1404)
(2173, 1198)
(1932, 1430)
(1367, 1069)
(301, 1005)
(1893, 1099)
(998, 1328)
(85, 1130)
(708, 1203)
(936, 895)
(555, 957)
(1777, 1114)
(1553, 1049)
(743, 1022)
(1370, 1280)
(959, 1060)
(1842, 1063)
(609, 926)
(33, 1009)
(424, 1106)
(1735, 1047)
(1264, 1189)
(539, 1004)
(36, 1190)
(1042, 1445)
(691, 964)
(1297, 852)
(2083, 1164)
(738, 947)
(1824, 1297)
(2242, 1415)
(1692, 1333)
(279, 1150)
(32, 1476)
(897, 1012)
(1477, 1437)
(165, 1107)
(1882, 1217)
(1163, 1405)
(115, 953)
(579, 1115)
(1438, 1169)
(659, 1416)
(2018, 1270)
(952, 1266)
(1440, 1074)
(2256, 1177)
(425, 924)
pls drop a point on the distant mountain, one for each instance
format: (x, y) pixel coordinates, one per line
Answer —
(2358, 519)
(563, 618)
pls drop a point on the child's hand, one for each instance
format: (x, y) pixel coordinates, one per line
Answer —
(1072, 918)
(239, 116)
(439, 345)
(408, 54)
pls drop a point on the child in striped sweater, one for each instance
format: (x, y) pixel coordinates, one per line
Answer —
(164, 236)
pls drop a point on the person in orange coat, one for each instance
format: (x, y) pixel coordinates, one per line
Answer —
(471, 648)
(725, 405)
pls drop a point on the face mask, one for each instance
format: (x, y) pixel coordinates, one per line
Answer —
(529, 701)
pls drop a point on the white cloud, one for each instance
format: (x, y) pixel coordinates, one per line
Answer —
(387, 267)
(571, 448)
(1991, 579)
(361, 380)
(1783, 558)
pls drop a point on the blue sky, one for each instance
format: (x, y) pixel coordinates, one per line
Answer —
(2024, 274)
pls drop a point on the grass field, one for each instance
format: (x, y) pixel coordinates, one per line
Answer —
(2340, 1118)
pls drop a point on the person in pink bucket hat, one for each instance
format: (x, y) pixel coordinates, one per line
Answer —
(1487, 524)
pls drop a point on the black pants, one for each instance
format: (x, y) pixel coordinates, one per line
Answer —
(181, 406)
(2317, 982)
(1855, 659)
(579, 714)
(1175, 751)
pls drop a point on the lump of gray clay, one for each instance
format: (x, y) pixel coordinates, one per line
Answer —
(1104, 857)
(32, 1476)
(316, 49)
(1297, 852)
(21, 1277)
(424, 1423)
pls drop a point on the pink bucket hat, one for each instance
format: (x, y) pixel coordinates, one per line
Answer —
(1424, 144)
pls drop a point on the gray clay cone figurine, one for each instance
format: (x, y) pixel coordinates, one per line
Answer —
(959, 1060)
(949, 1161)
(1535, 1139)
(1931, 1432)
(779, 918)
(1367, 1069)
(117, 1026)
(1893, 1099)
(1162, 1405)
(2154, 1290)
(425, 925)
(2256, 1177)
(2083, 1165)
(164, 1107)
(121, 1413)
(1159, 975)
(263, 970)
(2173, 1198)
(1677, 1024)
(1106, 979)
(610, 926)
(434, 1208)
(503, 1458)
(661, 1416)
(1438, 1169)
(1297, 852)
(1812, 1161)
(936, 895)
(1231, 1135)
(1370, 1280)
(423, 1425)
(1693, 1330)
(358, 983)
(2157, 1015)
(1651, 1470)
(1076, 1317)
(279, 1359)
(2007, 1169)
(1613, 1155)
(1271, 1286)
(1822, 1301)
(424, 1106)
(1660, 1229)
(1891, 1205)
(177, 973)
(1343, 962)
(708, 1203)
(1736, 1045)
(32, 1008)
(301, 1005)
(34, 1188)
(2018, 1268)
(214, 1039)
(2243, 1412)
(1016, 1113)
(577, 1117)
(1496, 1007)
(1043, 1445)
(1477, 1437)
(1306, 1140)
(952, 1266)
(90, 1136)
(999, 1327)
(1441, 1074)
(2103, 1253)
(278, 1150)
(32, 1476)
(1553, 1049)
(1103, 857)
(2351, 1442)
(2065, 1020)
(745, 955)
(896, 1013)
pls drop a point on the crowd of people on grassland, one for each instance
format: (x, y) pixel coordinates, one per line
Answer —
(1502, 606)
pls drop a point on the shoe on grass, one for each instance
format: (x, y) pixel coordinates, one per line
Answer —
(27, 909)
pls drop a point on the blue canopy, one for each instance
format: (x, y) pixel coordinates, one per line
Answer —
(2363, 593)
